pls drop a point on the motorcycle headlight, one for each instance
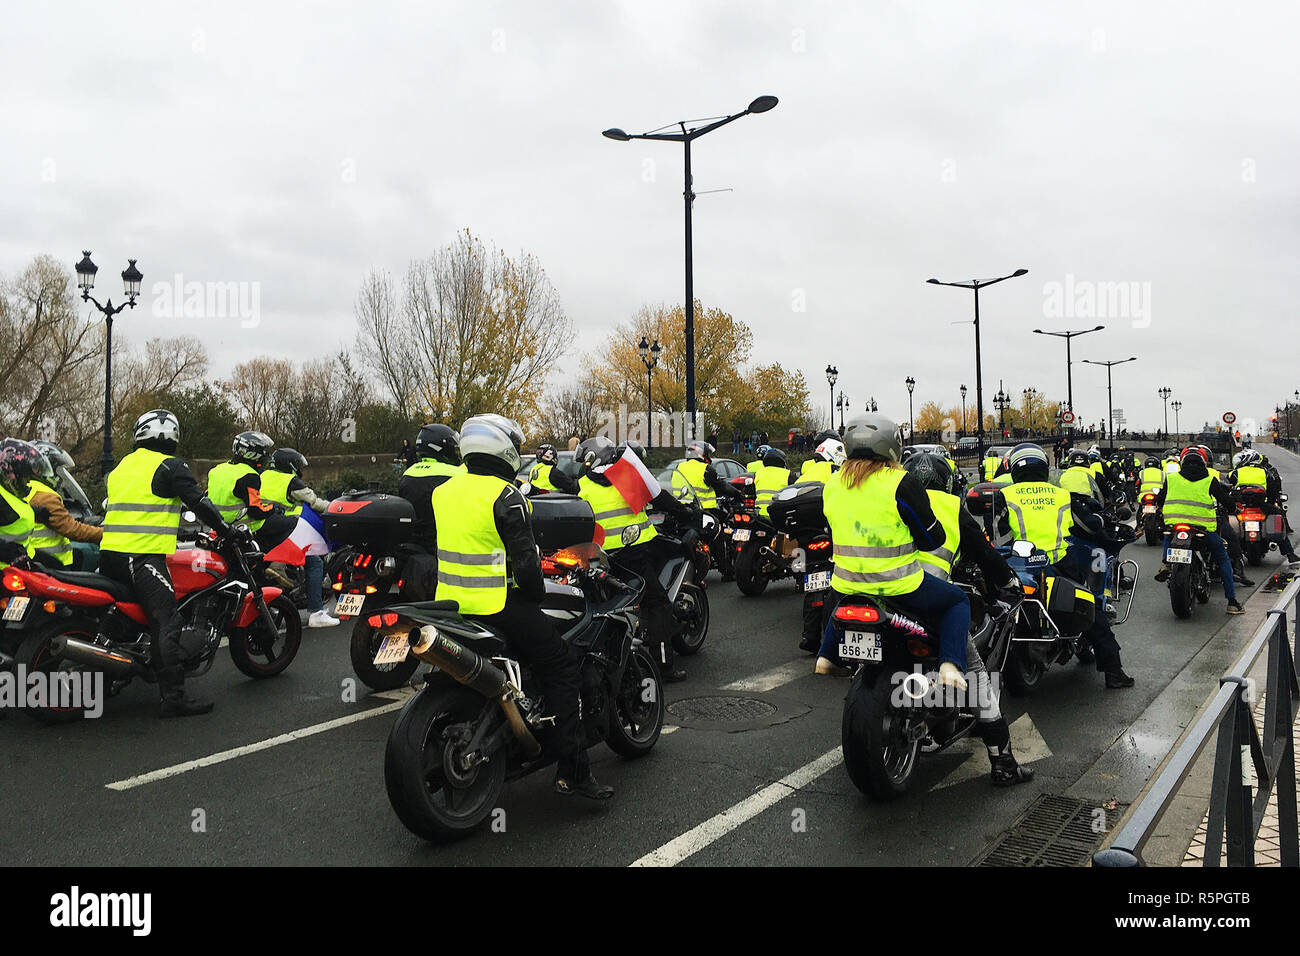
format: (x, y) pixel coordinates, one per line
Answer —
(386, 566)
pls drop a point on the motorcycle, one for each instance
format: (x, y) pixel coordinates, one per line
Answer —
(780, 545)
(1149, 518)
(78, 621)
(1189, 568)
(478, 719)
(1260, 531)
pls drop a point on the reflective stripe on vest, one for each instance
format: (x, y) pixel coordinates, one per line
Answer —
(275, 488)
(471, 554)
(873, 548)
(768, 480)
(138, 521)
(991, 467)
(1040, 513)
(947, 508)
(221, 491)
(614, 516)
(1189, 502)
(690, 474)
(43, 537)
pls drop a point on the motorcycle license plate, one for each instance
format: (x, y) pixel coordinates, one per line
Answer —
(393, 650)
(349, 605)
(861, 646)
(817, 581)
(740, 534)
(17, 608)
(1252, 525)
(1180, 556)
(1149, 509)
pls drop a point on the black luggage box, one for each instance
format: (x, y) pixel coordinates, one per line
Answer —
(560, 521)
(370, 520)
(797, 509)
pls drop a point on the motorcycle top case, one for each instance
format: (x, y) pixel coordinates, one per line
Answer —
(798, 509)
(371, 520)
(561, 521)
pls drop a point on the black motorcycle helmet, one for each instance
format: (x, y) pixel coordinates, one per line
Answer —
(289, 461)
(933, 471)
(252, 448)
(1028, 463)
(1078, 459)
(595, 452)
(774, 457)
(547, 455)
(439, 442)
(1151, 462)
(20, 462)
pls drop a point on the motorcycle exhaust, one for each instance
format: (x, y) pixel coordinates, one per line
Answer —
(469, 668)
(93, 655)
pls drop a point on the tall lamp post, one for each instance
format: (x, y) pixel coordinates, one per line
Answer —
(1001, 401)
(1164, 392)
(976, 285)
(871, 404)
(842, 403)
(1178, 431)
(963, 411)
(688, 134)
(649, 358)
(832, 374)
(1029, 394)
(911, 425)
(1110, 394)
(1069, 374)
(131, 279)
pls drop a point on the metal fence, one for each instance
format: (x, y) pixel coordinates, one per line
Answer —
(1236, 807)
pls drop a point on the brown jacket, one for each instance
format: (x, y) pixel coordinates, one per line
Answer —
(60, 521)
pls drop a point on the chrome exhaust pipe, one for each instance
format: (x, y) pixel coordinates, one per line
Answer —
(117, 663)
(469, 668)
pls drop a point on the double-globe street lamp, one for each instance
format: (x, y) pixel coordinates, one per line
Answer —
(689, 133)
(1110, 393)
(911, 426)
(1029, 394)
(649, 358)
(832, 374)
(1176, 405)
(1164, 392)
(131, 279)
(963, 412)
(842, 403)
(1001, 401)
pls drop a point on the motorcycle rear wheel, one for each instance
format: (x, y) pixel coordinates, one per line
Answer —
(749, 578)
(879, 759)
(1153, 534)
(35, 656)
(691, 611)
(1180, 591)
(363, 647)
(638, 716)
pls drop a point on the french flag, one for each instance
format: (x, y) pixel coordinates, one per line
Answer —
(308, 537)
(632, 479)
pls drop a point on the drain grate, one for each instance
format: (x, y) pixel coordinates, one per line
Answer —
(1053, 831)
(721, 709)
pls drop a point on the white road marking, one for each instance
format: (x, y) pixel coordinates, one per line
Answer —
(669, 728)
(1027, 743)
(290, 737)
(771, 679)
(719, 825)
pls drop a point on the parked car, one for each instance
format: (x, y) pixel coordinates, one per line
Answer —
(909, 450)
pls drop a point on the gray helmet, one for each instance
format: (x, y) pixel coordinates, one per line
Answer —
(873, 436)
(255, 448)
(595, 452)
(507, 425)
(700, 451)
(483, 439)
(1028, 462)
(637, 448)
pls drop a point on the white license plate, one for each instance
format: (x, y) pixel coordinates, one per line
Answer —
(17, 607)
(740, 534)
(349, 605)
(1149, 509)
(1180, 555)
(817, 581)
(1252, 525)
(393, 650)
(861, 646)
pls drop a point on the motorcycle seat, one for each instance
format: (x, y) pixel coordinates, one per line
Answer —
(90, 579)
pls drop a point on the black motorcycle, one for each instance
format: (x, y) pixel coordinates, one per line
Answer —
(1189, 568)
(479, 720)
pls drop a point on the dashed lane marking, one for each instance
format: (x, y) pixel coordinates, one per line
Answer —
(771, 679)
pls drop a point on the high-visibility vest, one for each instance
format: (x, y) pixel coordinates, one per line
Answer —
(1189, 502)
(1040, 512)
(1152, 479)
(1171, 465)
(1098, 469)
(991, 465)
(614, 516)
(275, 488)
(817, 471)
(43, 537)
(1002, 479)
(471, 554)
(221, 491)
(138, 521)
(19, 530)
(1079, 480)
(1252, 475)
(947, 508)
(768, 480)
(539, 476)
(690, 474)
(873, 548)
(753, 466)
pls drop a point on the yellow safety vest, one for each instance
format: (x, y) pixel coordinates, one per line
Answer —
(990, 467)
(614, 516)
(817, 471)
(753, 467)
(1152, 479)
(19, 530)
(690, 474)
(471, 554)
(1077, 479)
(138, 521)
(1098, 469)
(275, 488)
(539, 476)
(1189, 502)
(1252, 475)
(768, 480)
(947, 508)
(873, 548)
(43, 537)
(221, 491)
(1040, 512)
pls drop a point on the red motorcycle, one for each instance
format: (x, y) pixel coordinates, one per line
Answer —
(1260, 531)
(81, 621)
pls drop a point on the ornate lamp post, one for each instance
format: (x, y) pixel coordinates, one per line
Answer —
(649, 358)
(911, 426)
(131, 279)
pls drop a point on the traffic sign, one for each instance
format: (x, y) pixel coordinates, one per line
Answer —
(1067, 417)
(1229, 417)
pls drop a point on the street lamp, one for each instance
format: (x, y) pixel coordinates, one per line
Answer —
(1110, 394)
(689, 133)
(1069, 375)
(1176, 405)
(832, 373)
(963, 411)
(131, 279)
(1029, 394)
(1001, 401)
(842, 403)
(871, 404)
(976, 285)
(911, 426)
(1164, 393)
(649, 358)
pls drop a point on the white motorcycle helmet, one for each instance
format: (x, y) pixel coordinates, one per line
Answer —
(832, 450)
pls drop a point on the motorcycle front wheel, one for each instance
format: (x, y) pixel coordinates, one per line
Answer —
(691, 612)
(638, 715)
(260, 653)
(1025, 667)
(878, 754)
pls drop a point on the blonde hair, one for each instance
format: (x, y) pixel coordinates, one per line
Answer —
(857, 470)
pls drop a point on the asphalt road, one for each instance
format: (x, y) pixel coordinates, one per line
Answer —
(299, 793)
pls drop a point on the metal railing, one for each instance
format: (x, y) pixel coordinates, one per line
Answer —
(1236, 808)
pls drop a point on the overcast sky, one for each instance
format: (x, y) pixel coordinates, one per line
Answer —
(1153, 145)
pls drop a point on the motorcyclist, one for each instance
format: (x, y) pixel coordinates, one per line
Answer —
(696, 476)
(438, 448)
(771, 476)
(963, 536)
(759, 453)
(1078, 477)
(19, 461)
(1103, 473)
(55, 528)
(631, 540)
(1152, 477)
(539, 475)
(235, 486)
(1249, 469)
(1068, 527)
(989, 466)
(1189, 497)
(813, 461)
(147, 492)
(282, 485)
(488, 562)
(828, 459)
(880, 517)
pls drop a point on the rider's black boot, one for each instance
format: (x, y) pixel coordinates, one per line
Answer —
(175, 703)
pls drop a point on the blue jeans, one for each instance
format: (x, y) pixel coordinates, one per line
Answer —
(934, 600)
(1221, 555)
(314, 573)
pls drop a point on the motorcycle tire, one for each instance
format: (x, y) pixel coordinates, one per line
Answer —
(639, 708)
(259, 658)
(691, 612)
(1180, 591)
(1254, 551)
(1024, 669)
(417, 758)
(34, 655)
(363, 647)
(879, 762)
(751, 581)
(1153, 534)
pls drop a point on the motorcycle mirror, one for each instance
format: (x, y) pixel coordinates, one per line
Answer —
(189, 517)
(1281, 497)
(104, 506)
(526, 489)
(1022, 549)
